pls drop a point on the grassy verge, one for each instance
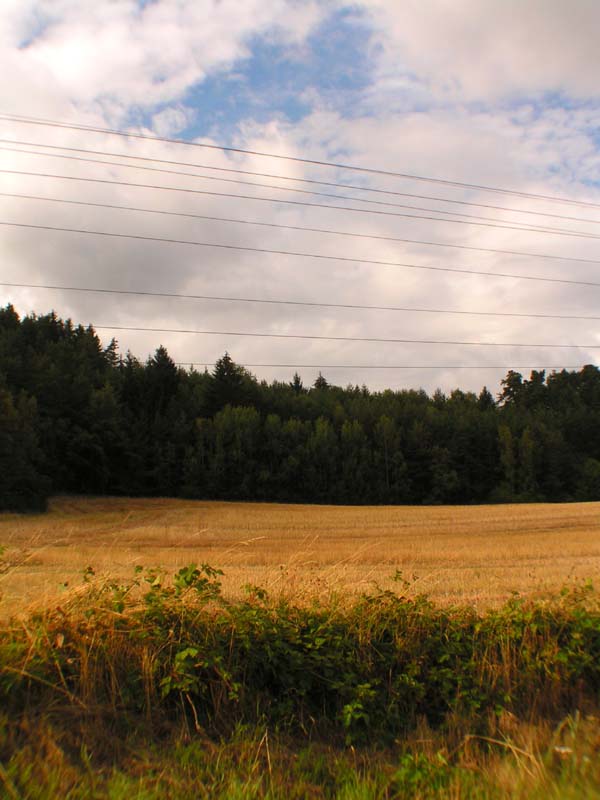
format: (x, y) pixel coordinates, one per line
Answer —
(158, 686)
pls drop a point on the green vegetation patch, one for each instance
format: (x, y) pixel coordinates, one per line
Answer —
(128, 678)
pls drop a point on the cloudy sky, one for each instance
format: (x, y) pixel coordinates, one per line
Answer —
(489, 93)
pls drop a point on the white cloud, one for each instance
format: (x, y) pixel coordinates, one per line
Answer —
(170, 121)
(119, 55)
(481, 49)
(100, 63)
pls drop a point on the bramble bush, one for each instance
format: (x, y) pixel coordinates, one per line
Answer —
(168, 648)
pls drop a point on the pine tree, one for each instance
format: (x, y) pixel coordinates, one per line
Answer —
(297, 384)
(22, 486)
(321, 383)
(230, 385)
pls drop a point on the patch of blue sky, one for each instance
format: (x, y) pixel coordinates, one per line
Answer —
(330, 70)
(583, 119)
(37, 22)
(533, 106)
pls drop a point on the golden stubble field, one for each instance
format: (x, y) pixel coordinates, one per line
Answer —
(467, 554)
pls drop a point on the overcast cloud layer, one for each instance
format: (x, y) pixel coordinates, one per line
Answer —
(489, 93)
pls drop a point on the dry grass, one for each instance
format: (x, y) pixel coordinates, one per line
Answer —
(473, 554)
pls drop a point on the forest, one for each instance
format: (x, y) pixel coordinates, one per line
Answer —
(77, 417)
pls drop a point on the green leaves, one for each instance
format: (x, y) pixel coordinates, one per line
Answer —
(183, 676)
(355, 671)
(202, 580)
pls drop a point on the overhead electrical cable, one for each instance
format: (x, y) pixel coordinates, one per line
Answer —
(300, 228)
(315, 162)
(105, 181)
(319, 256)
(274, 186)
(269, 175)
(205, 362)
(298, 191)
(370, 339)
(311, 304)
(232, 180)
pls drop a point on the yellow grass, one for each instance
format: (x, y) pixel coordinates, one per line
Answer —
(474, 554)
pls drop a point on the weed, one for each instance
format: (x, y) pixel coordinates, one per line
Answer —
(167, 657)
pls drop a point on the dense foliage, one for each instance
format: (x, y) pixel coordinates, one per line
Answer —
(384, 697)
(349, 671)
(77, 417)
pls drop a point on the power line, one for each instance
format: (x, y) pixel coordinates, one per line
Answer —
(232, 180)
(312, 304)
(267, 186)
(192, 363)
(315, 162)
(266, 175)
(320, 256)
(371, 339)
(527, 229)
(296, 227)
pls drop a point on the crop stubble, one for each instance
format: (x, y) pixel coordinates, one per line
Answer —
(455, 554)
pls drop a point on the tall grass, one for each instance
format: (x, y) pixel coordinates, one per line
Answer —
(155, 663)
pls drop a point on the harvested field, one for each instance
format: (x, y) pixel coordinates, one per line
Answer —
(455, 554)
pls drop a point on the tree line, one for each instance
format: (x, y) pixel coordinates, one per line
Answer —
(77, 417)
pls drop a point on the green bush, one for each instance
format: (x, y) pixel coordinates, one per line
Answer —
(161, 648)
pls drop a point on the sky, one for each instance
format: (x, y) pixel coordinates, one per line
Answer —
(488, 93)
